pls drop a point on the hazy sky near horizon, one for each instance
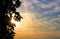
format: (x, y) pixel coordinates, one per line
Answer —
(41, 20)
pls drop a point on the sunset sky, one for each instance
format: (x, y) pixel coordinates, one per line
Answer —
(41, 20)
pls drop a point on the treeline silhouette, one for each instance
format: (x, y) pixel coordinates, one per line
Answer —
(7, 8)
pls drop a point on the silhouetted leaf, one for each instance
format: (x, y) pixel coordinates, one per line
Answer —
(7, 8)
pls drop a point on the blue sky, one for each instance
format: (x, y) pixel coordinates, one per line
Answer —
(45, 16)
(43, 9)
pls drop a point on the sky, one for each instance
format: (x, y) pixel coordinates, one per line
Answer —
(41, 20)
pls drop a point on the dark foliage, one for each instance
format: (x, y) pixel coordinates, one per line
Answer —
(7, 8)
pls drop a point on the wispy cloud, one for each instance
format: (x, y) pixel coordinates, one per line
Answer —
(41, 19)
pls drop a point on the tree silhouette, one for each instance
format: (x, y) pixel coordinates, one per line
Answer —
(7, 8)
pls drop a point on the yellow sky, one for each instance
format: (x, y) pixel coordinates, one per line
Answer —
(36, 35)
(39, 20)
(25, 29)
